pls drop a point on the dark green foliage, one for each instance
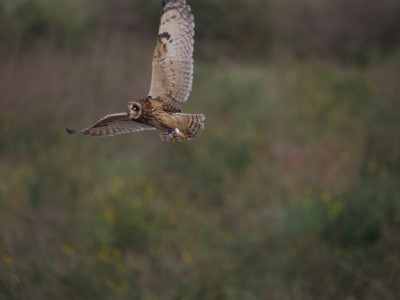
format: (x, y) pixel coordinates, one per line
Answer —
(28, 21)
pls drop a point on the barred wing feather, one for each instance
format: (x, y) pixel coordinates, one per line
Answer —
(172, 72)
(112, 125)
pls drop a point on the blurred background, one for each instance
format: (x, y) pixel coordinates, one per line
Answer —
(291, 192)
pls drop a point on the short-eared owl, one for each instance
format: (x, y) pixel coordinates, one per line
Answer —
(171, 83)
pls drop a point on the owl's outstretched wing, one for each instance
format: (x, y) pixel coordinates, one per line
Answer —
(172, 72)
(112, 125)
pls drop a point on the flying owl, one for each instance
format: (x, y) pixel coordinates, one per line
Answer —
(171, 83)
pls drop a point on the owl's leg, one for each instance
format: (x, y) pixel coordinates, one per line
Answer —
(173, 135)
(179, 134)
(176, 134)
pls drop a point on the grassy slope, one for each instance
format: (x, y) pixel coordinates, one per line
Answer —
(290, 192)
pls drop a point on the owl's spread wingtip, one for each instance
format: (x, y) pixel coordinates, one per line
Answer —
(71, 131)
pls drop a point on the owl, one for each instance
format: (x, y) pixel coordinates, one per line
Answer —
(171, 83)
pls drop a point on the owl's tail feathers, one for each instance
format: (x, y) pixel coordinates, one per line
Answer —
(194, 124)
(189, 126)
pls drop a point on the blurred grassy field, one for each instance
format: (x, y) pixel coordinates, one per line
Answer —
(291, 192)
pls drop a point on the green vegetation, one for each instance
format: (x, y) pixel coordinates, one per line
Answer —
(291, 192)
(27, 21)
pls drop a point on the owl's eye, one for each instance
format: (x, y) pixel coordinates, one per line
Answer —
(135, 108)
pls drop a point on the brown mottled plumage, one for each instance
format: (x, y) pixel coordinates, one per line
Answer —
(171, 83)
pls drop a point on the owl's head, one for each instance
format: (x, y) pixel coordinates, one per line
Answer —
(134, 110)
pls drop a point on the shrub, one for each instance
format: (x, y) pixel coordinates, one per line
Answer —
(28, 21)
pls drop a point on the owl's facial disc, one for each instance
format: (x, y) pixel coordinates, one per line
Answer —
(134, 110)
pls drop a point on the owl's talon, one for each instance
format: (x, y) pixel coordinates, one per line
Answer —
(175, 134)
(179, 134)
